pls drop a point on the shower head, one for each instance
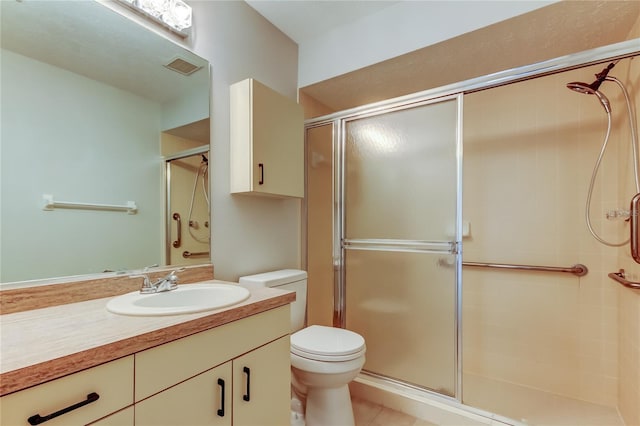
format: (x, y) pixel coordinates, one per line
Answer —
(587, 89)
(580, 87)
(592, 89)
(205, 159)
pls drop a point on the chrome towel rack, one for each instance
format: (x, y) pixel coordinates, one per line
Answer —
(578, 269)
(621, 278)
(49, 204)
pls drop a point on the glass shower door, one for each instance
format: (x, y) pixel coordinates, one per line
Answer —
(400, 241)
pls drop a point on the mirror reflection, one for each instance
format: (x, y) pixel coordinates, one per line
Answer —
(94, 113)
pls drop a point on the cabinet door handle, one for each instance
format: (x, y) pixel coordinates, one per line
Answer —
(247, 396)
(37, 419)
(221, 409)
(261, 167)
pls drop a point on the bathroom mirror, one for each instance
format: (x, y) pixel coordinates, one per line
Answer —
(92, 103)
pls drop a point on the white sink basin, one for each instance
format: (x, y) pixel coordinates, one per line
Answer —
(186, 299)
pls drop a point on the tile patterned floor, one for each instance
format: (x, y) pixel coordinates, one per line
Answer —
(369, 414)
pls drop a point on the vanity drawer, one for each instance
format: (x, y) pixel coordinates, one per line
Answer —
(163, 366)
(111, 382)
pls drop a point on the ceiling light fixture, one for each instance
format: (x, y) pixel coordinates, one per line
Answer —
(173, 14)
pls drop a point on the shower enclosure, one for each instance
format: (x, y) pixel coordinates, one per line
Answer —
(391, 204)
(188, 210)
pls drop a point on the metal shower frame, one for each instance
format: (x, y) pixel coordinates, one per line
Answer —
(337, 120)
(167, 192)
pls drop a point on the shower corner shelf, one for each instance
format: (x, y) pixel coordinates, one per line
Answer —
(48, 204)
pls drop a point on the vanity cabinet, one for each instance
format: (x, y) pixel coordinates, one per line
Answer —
(267, 142)
(237, 374)
(182, 382)
(77, 399)
(246, 391)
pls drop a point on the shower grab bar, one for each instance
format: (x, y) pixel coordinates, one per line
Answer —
(187, 254)
(49, 204)
(178, 242)
(621, 278)
(634, 238)
(578, 269)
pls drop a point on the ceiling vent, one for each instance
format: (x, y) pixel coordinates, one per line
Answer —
(182, 66)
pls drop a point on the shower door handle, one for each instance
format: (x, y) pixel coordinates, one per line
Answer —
(178, 242)
(634, 238)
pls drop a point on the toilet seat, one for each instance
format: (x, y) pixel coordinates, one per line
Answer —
(331, 344)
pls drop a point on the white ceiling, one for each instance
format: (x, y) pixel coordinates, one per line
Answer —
(306, 19)
(554, 30)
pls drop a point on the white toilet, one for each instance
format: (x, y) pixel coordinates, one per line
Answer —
(323, 359)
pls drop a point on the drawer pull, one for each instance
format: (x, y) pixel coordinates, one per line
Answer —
(221, 410)
(247, 396)
(38, 419)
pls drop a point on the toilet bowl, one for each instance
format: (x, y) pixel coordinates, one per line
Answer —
(323, 359)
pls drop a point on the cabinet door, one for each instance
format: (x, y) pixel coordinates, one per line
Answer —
(202, 400)
(278, 144)
(267, 142)
(262, 386)
(121, 418)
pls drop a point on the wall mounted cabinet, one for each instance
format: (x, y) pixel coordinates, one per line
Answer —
(267, 142)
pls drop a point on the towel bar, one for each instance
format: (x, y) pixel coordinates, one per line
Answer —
(49, 204)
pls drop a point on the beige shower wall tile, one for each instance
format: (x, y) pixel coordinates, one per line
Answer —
(527, 170)
(629, 351)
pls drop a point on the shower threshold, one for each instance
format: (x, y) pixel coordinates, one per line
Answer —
(535, 407)
(487, 402)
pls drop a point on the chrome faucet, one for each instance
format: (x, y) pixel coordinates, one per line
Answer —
(167, 283)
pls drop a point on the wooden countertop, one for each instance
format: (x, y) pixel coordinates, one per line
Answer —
(44, 344)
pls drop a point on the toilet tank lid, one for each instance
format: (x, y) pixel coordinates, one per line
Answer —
(274, 278)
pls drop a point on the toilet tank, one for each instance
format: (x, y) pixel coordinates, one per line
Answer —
(284, 279)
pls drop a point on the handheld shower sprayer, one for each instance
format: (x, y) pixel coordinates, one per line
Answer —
(592, 89)
(585, 88)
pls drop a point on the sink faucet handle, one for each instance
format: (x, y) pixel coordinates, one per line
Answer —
(172, 278)
(172, 275)
(147, 287)
(146, 268)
